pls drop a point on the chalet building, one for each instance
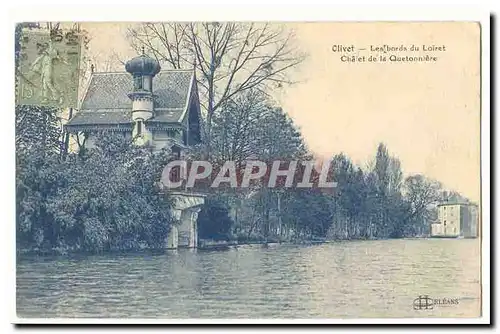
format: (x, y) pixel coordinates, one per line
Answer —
(157, 108)
(456, 220)
(151, 107)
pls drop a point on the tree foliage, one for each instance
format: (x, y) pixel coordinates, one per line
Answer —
(106, 199)
(38, 127)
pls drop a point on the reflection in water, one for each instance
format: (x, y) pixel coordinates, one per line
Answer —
(337, 280)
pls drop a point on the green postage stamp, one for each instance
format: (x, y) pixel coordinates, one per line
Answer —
(48, 68)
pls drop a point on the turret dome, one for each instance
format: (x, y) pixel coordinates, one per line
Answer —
(143, 65)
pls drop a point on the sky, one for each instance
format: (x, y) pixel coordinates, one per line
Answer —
(427, 113)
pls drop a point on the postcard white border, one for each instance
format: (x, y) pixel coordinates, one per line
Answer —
(132, 11)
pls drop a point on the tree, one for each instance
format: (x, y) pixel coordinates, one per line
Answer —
(235, 132)
(38, 148)
(307, 212)
(253, 128)
(388, 178)
(272, 137)
(107, 199)
(421, 196)
(38, 128)
(230, 58)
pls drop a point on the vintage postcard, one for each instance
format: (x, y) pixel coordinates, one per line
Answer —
(274, 170)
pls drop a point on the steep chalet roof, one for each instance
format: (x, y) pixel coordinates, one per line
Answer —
(106, 102)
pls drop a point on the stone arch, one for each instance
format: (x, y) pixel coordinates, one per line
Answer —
(184, 233)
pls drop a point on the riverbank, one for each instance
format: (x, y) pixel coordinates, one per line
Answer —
(203, 244)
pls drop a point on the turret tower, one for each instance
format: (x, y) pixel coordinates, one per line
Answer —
(143, 69)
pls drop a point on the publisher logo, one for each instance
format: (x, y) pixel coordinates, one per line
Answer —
(424, 302)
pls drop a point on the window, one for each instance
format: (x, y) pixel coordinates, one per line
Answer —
(147, 83)
(139, 128)
(138, 82)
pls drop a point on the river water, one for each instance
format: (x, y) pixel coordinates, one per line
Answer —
(335, 280)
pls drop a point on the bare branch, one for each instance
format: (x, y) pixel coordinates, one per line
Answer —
(230, 58)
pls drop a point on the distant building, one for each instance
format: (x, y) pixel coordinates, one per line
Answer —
(456, 220)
